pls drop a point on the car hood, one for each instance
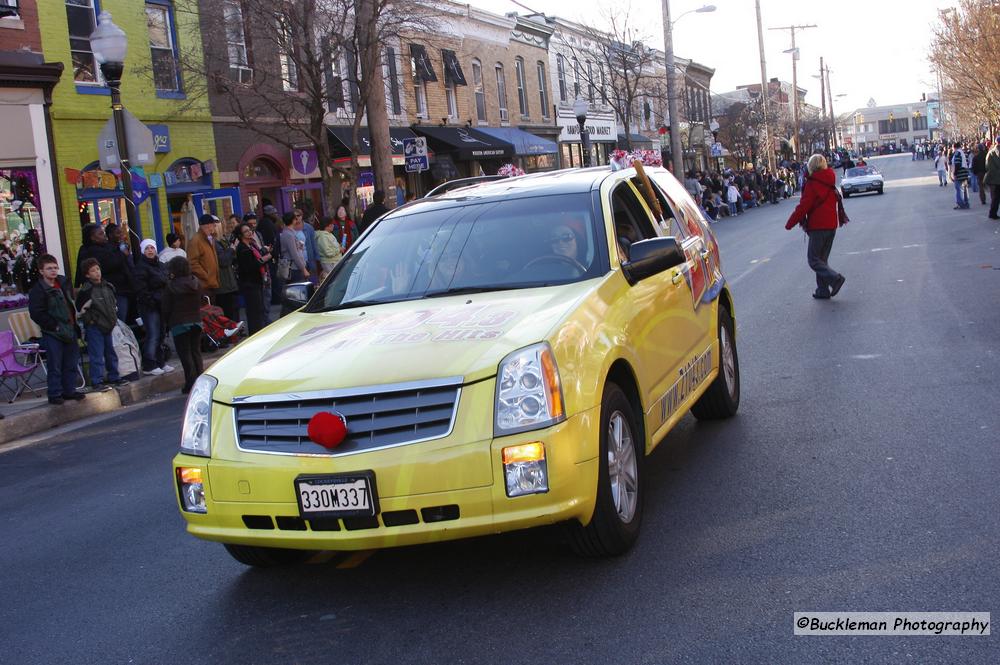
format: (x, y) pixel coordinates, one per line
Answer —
(861, 179)
(459, 336)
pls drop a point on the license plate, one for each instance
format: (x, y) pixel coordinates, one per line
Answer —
(340, 495)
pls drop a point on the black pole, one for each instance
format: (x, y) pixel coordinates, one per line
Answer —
(112, 74)
(584, 139)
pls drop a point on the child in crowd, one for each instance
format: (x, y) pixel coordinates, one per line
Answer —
(181, 311)
(50, 305)
(97, 305)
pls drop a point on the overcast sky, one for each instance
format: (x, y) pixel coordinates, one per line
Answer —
(874, 48)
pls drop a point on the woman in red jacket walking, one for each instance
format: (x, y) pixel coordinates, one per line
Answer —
(817, 213)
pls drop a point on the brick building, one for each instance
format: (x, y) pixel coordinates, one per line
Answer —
(155, 89)
(28, 194)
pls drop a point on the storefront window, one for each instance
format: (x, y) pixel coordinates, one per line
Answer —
(21, 237)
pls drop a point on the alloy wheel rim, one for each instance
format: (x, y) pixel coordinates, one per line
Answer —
(622, 467)
(728, 363)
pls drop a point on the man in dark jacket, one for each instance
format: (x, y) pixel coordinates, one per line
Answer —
(50, 305)
(115, 266)
(267, 227)
(979, 170)
(374, 211)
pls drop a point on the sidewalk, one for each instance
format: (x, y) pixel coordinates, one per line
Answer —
(31, 415)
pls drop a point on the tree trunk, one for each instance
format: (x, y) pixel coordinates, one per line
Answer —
(373, 90)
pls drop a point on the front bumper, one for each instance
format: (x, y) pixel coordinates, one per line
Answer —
(427, 492)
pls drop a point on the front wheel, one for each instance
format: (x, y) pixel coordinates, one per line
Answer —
(267, 557)
(614, 526)
(880, 190)
(722, 399)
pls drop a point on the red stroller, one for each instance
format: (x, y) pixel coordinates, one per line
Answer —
(219, 330)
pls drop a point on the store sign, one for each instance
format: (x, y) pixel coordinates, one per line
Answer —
(603, 130)
(161, 138)
(305, 162)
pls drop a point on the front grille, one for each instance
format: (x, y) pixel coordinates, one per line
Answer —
(388, 519)
(377, 417)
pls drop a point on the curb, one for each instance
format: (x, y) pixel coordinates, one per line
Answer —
(49, 416)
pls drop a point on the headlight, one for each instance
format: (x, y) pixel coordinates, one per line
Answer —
(529, 393)
(196, 436)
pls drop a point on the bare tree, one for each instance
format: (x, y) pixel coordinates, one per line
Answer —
(281, 68)
(965, 50)
(614, 65)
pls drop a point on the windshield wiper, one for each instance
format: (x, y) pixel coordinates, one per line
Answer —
(482, 288)
(351, 304)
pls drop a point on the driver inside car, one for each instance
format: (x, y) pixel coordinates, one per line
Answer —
(564, 242)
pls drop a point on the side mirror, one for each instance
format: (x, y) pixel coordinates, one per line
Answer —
(650, 257)
(296, 296)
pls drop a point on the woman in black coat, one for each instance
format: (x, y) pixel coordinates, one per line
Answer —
(151, 279)
(251, 268)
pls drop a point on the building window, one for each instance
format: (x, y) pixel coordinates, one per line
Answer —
(919, 123)
(480, 91)
(576, 77)
(10, 9)
(590, 81)
(419, 89)
(334, 83)
(392, 102)
(501, 92)
(236, 42)
(561, 76)
(286, 46)
(522, 92)
(543, 97)
(604, 87)
(81, 19)
(453, 77)
(163, 46)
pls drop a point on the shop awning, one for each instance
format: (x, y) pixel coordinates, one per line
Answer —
(422, 63)
(525, 143)
(340, 143)
(465, 143)
(638, 141)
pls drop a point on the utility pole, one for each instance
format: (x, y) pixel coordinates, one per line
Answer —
(765, 93)
(822, 96)
(676, 152)
(795, 84)
(833, 116)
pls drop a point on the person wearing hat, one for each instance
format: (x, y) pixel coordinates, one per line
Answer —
(150, 281)
(201, 253)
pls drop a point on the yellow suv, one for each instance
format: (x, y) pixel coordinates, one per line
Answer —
(497, 357)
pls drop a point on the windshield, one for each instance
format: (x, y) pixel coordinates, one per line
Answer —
(430, 250)
(861, 171)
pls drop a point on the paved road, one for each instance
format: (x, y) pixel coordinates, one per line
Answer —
(861, 474)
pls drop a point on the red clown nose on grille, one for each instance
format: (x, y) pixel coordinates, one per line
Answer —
(327, 429)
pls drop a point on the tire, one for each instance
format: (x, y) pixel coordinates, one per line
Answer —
(614, 526)
(846, 195)
(880, 191)
(722, 399)
(267, 557)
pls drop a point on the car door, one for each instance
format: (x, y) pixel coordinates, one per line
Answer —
(656, 312)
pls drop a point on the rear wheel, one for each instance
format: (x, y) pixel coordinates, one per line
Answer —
(614, 526)
(267, 557)
(722, 399)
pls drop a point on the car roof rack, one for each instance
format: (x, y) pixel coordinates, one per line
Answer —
(461, 182)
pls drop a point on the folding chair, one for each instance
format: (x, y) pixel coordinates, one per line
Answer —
(27, 335)
(15, 375)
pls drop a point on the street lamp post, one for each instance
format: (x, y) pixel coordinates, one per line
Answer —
(580, 108)
(677, 156)
(110, 44)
